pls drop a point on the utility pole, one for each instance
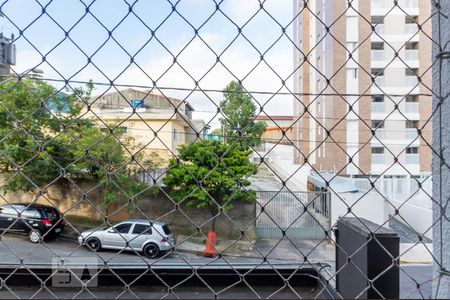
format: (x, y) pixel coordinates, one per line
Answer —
(441, 149)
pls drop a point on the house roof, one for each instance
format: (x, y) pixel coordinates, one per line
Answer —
(148, 93)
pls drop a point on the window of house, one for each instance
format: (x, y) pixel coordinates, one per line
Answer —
(175, 135)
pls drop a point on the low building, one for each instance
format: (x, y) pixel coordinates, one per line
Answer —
(275, 126)
(7, 54)
(160, 124)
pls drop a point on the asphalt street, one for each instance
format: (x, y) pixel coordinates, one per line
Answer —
(16, 248)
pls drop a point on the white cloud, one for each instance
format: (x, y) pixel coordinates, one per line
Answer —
(197, 60)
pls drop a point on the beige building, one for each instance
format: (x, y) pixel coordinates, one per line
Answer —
(160, 124)
(360, 99)
(275, 127)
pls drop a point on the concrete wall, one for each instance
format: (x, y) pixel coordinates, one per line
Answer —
(370, 206)
(418, 218)
(82, 199)
(441, 154)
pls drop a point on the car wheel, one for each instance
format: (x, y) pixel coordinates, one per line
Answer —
(151, 250)
(93, 244)
(34, 236)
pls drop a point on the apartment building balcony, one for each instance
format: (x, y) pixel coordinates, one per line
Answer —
(410, 133)
(412, 107)
(412, 159)
(377, 55)
(411, 7)
(377, 4)
(379, 80)
(379, 133)
(378, 159)
(411, 55)
(378, 107)
(411, 3)
(411, 28)
(411, 81)
(379, 28)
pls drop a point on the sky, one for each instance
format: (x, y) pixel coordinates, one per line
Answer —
(44, 25)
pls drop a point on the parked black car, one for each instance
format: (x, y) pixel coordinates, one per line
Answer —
(34, 220)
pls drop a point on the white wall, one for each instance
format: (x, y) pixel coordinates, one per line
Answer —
(419, 218)
(370, 206)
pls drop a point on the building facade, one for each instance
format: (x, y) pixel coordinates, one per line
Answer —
(278, 128)
(7, 54)
(363, 86)
(160, 124)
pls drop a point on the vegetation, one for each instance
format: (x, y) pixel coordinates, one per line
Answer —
(44, 140)
(210, 175)
(238, 125)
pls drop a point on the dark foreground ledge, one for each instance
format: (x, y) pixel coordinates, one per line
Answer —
(246, 280)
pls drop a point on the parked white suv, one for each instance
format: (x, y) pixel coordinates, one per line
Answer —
(150, 238)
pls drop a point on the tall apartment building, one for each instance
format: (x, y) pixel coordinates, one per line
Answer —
(363, 80)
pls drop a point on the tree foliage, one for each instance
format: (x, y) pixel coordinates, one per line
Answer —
(239, 110)
(210, 175)
(43, 139)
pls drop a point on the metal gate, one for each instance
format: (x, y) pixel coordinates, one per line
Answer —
(297, 215)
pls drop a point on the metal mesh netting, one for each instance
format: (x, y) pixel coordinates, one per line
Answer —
(144, 139)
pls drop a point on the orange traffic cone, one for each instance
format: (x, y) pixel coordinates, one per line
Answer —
(210, 244)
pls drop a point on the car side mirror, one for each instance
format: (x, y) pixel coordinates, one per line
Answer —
(111, 231)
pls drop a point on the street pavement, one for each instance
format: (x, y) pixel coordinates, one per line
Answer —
(13, 248)
(17, 247)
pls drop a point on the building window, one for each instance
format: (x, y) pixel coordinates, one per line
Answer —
(376, 124)
(353, 72)
(377, 72)
(378, 155)
(378, 98)
(412, 155)
(175, 135)
(411, 72)
(377, 46)
(377, 150)
(411, 124)
(378, 103)
(351, 46)
(377, 20)
(412, 150)
(412, 98)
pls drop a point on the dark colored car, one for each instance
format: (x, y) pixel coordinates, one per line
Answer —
(34, 220)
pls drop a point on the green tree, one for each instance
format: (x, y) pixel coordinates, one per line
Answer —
(239, 110)
(43, 140)
(108, 162)
(203, 180)
(30, 155)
